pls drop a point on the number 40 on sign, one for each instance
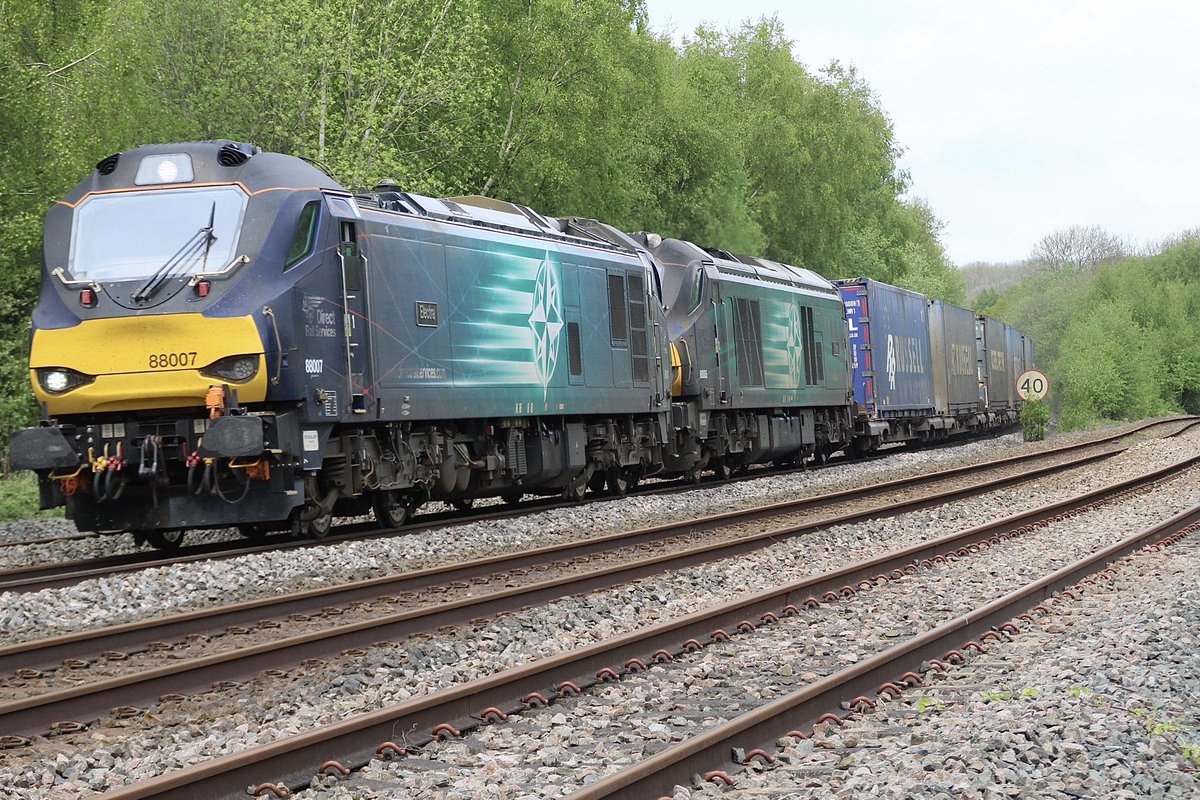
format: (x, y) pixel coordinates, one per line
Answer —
(1032, 385)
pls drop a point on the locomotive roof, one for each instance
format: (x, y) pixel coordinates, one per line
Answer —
(806, 277)
(219, 161)
(680, 253)
(488, 212)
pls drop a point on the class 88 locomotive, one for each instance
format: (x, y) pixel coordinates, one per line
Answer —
(229, 337)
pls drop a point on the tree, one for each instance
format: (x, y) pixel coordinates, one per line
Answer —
(1078, 248)
(986, 299)
(371, 89)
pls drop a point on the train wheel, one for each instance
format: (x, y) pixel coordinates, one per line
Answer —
(597, 481)
(574, 491)
(618, 481)
(463, 505)
(512, 498)
(391, 510)
(692, 475)
(319, 528)
(165, 540)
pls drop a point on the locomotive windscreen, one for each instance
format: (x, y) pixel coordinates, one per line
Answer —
(129, 235)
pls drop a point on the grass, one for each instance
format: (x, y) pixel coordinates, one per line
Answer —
(19, 499)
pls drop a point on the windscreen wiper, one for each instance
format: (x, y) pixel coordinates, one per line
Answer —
(201, 239)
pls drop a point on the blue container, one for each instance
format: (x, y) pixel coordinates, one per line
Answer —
(889, 348)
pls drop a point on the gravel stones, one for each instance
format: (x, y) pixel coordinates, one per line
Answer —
(636, 718)
(184, 587)
(202, 727)
(1098, 700)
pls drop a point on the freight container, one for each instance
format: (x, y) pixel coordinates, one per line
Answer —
(996, 379)
(1016, 354)
(952, 349)
(889, 349)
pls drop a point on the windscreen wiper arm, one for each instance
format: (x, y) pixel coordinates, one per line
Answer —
(202, 238)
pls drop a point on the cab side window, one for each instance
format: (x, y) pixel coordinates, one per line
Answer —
(306, 235)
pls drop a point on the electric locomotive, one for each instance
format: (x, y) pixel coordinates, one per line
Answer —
(227, 337)
(761, 356)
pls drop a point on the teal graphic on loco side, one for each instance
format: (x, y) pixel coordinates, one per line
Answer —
(509, 324)
(783, 363)
(546, 322)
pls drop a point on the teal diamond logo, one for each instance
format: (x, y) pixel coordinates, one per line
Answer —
(546, 321)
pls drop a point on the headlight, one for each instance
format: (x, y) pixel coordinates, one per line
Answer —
(171, 168)
(235, 369)
(57, 380)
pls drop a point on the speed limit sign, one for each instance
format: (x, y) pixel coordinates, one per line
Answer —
(1032, 385)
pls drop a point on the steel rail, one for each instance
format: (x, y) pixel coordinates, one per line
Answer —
(292, 761)
(46, 576)
(760, 728)
(137, 636)
(84, 703)
(70, 537)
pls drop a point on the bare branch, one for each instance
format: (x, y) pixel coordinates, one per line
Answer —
(65, 67)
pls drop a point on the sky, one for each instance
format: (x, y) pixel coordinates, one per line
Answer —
(1019, 118)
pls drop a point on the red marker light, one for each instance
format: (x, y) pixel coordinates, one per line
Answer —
(87, 297)
(202, 289)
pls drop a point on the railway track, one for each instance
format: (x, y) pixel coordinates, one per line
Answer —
(752, 736)
(467, 590)
(513, 568)
(476, 589)
(46, 576)
(292, 762)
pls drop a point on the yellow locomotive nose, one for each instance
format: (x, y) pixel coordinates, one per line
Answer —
(146, 362)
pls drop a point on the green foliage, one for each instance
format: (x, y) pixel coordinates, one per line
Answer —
(1034, 416)
(1027, 692)
(19, 499)
(986, 299)
(1119, 343)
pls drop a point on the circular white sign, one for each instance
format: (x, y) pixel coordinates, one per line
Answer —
(1033, 385)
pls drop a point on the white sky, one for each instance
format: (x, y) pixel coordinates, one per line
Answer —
(1017, 118)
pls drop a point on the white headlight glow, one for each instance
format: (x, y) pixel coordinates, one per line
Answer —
(55, 380)
(170, 168)
(167, 171)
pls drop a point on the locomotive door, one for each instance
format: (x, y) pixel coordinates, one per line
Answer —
(657, 336)
(722, 342)
(355, 314)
